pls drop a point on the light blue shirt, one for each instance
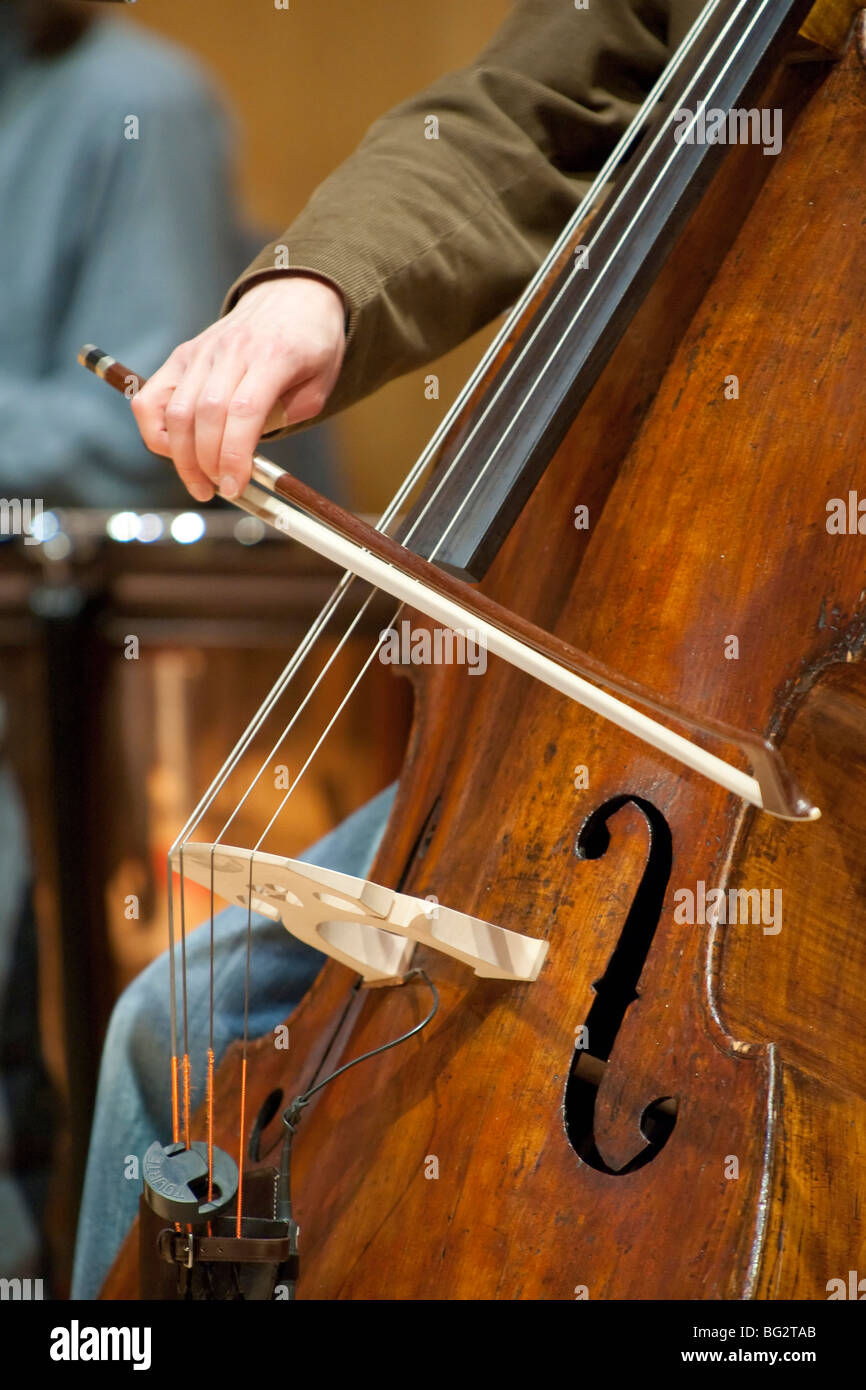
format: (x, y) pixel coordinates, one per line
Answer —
(129, 243)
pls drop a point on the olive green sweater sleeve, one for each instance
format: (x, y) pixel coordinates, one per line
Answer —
(451, 201)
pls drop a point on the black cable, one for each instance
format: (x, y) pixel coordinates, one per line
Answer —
(292, 1113)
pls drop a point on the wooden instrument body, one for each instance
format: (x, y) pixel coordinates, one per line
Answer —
(707, 522)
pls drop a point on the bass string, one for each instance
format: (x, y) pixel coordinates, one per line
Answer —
(489, 462)
(242, 1128)
(605, 269)
(719, 76)
(393, 509)
(598, 186)
(250, 889)
(326, 731)
(268, 760)
(524, 347)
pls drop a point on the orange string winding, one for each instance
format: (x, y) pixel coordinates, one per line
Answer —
(175, 1115)
(210, 1067)
(186, 1085)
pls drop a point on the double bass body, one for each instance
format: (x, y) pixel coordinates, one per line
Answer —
(712, 1148)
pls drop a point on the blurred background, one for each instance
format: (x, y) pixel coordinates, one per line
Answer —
(138, 634)
(304, 84)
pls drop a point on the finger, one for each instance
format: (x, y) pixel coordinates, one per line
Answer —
(149, 403)
(148, 407)
(180, 413)
(226, 374)
(250, 407)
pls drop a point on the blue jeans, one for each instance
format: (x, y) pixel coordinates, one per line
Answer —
(27, 1103)
(133, 1104)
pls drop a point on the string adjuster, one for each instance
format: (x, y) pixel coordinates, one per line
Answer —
(177, 1247)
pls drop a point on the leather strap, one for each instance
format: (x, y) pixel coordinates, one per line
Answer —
(186, 1249)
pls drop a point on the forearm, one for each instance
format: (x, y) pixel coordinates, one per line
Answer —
(428, 239)
(424, 239)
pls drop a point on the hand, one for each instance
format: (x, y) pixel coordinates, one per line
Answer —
(272, 361)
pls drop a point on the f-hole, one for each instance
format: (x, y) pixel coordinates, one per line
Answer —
(617, 990)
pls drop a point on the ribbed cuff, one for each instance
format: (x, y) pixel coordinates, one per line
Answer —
(321, 262)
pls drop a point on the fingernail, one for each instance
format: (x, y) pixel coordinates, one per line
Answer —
(201, 492)
(228, 486)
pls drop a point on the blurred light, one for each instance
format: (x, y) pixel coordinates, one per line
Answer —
(150, 528)
(123, 526)
(45, 526)
(58, 547)
(188, 527)
(249, 530)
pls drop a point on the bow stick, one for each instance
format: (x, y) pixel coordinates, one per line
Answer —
(348, 540)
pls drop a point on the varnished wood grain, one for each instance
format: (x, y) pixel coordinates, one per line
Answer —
(712, 526)
(802, 990)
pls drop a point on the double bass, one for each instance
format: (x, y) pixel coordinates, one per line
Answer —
(651, 1085)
